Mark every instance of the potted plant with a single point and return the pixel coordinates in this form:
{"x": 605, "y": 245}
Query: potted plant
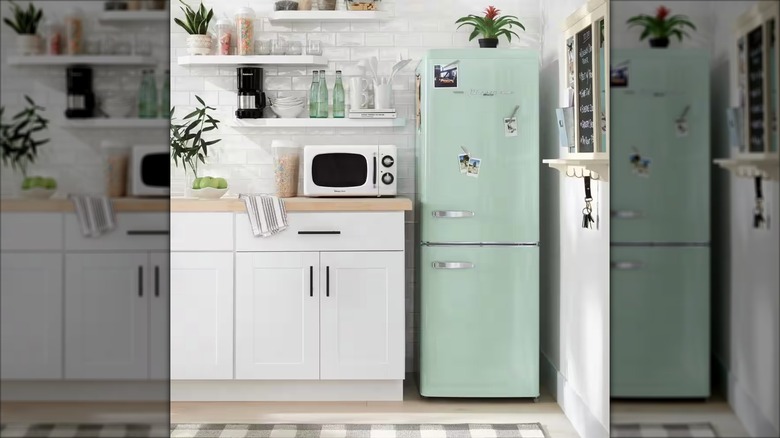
{"x": 197, "y": 26}
{"x": 661, "y": 26}
{"x": 20, "y": 148}
{"x": 189, "y": 147}
{"x": 491, "y": 26}
{"x": 25, "y": 24}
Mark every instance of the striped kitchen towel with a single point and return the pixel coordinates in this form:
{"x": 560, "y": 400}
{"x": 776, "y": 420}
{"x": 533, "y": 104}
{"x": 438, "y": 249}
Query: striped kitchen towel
{"x": 267, "y": 214}
{"x": 95, "y": 214}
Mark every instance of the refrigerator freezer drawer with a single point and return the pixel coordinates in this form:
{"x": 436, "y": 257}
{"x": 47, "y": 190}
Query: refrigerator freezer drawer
{"x": 660, "y": 323}
{"x": 479, "y": 322}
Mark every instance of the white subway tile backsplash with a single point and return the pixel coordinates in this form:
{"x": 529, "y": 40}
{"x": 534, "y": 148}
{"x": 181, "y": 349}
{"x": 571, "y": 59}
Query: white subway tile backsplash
{"x": 344, "y": 39}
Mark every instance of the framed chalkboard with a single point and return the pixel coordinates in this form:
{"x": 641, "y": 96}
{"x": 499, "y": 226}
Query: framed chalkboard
{"x": 585, "y": 114}
{"x": 755, "y": 90}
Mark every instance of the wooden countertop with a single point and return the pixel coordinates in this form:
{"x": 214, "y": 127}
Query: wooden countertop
{"x": 121, "y": 205}
{"x": 295, "y": 204}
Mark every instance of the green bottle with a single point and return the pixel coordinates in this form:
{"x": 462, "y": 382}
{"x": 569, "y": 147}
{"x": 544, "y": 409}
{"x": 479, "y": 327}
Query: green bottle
{"x": 142, "y": 108}
{"x": 314, "y": 95}
{"x": 165, "y": 99}
{"x": 151, "y": 96}
{"x": 322, "y": 100}
{"x": 338, "y": 97}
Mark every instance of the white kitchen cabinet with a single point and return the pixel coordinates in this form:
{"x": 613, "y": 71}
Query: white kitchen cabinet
{"x": 201, "y": 317}
{"x": 159, "y": 315}
{"x": 277, "y": 316}
{"x": 31, "y": 316}
{"x": 362, "y": 332}
{"x": 106, "y": 316}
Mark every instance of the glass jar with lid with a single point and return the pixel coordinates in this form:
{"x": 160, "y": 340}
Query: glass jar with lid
{"x": 224, "y": 36}
{"x": 245, "y": 23}
{"x": 52, "y": 34}
{"x": 74, "y": 31}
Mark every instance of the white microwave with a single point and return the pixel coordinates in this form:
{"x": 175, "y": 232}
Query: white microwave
{"x": 149, "y": 171}
{"x": 350, "y": 170}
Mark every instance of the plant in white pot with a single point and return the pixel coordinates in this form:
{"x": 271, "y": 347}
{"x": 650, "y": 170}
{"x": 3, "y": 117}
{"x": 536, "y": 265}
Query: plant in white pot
{"x": 20, "y": 147}
{"x": 197, "y": 26}
{"x": 189, "y": 147}
{"x": 25, "y": 24}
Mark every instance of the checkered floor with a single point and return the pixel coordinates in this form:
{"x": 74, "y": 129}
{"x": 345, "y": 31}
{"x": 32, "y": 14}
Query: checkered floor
{"x": 698, "y": 430}
{"x": 530, "y": 430}
{"x": 84, "y": 431}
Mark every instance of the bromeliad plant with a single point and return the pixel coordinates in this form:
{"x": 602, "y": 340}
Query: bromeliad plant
{"x": 189, "y": 147}
{"x": 661, "y": 26}
{"x": 17, "y": 136}
{"x": 25, "y": 21}
{"x": 491, "y": 26}
{"x": 197, "y": 22}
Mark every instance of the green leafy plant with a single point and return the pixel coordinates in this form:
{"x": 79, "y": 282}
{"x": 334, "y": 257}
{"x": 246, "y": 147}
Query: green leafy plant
{"x": 25, "y": 21}
{"x": 662, "y": 25}
{"x": 197, "y": 21}
{"x": 491, "y": 26}
{"x": 187, "y": 143}
{"x": 19, "y": 147}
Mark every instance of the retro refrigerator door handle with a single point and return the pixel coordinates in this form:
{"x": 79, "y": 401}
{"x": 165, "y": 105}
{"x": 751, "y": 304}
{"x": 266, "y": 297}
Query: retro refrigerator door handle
{"x": 452, "y": 214}
{"x": 626, "y": 266}
{"x": 626, "y": 214}
{"x": 453, "y": 265}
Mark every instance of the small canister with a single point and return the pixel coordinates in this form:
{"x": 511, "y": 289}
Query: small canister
{"x": 286, "y": 164}
{"x": 245, "y": 23}
{"x": 224, "y": 36}
{"x": 52, "y": 33}
{"x": 74, "y": 30}
{"x": 117, "y": 158}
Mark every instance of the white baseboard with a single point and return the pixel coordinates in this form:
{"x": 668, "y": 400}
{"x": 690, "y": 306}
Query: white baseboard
{"x": 576, "y": 410}
{"x": 748, "y": 411}
{"x": 84, "y": 390}
{"x": 287, "y": 390}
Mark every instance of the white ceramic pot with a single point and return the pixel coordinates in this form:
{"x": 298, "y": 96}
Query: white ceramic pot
{"x": 199, "y": 44}
{"x": 28, "y": 44}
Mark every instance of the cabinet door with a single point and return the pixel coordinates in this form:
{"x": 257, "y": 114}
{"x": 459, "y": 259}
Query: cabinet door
{"x": 277, "y": 316}
{"x": 106, "y": 316}
{"x": 201, "y": 325}
{"x": 31, "y": 316}
{"x": 159, "y": 316}
{"x": 362, "y": 315}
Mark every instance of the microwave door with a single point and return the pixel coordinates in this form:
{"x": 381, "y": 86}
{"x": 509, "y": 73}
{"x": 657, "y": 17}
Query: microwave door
{"x": 344, "y": 173}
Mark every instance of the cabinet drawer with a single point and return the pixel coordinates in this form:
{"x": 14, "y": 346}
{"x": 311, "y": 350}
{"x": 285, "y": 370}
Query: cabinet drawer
{"x": 328, "y": 232}
{"x": 31, "y": 231}
{"x": 133, "y": 232}
{"x": 202, "y": 232}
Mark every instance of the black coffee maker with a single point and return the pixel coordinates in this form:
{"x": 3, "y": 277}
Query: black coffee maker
{"x": 251, "y": 98}
{"x": 81, "y": 99}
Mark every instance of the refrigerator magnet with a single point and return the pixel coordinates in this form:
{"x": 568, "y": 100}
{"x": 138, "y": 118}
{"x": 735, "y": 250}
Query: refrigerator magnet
{"x": 473, "y": 167}
{"x": 463, "y": 163}
{"x": 445, "y": 76}
{"x": 510, "y": 127}
{"x": 641, "y": 165}
{"x": 681, "y": 128}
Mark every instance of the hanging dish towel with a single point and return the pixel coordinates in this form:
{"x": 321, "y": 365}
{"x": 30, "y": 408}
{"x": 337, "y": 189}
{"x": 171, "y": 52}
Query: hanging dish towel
{"x": 94, "y": 213}
{"x": 266, "y": 214}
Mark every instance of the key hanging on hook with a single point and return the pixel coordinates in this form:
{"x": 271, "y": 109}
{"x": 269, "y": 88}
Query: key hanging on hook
{"x": 587, "y": 212}
{"x": 758, "y": 211}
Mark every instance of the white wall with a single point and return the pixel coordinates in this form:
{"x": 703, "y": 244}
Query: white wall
{"x": 577, "y": 305}
{"x": 72, "y": 155}
{"x": 244, "y": 155}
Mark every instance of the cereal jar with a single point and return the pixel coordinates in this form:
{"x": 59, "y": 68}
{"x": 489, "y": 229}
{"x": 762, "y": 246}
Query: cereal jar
{"x": 245, "y": 21}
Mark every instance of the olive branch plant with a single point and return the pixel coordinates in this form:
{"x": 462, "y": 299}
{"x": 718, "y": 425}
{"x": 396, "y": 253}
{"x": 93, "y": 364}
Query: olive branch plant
{"x": 19, "y": 147}
{"x": 187, "y": 142}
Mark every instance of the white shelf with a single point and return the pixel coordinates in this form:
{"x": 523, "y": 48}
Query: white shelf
{"x": 108, "y": 123}
{"x": 65, "y": 60}
{"x": 763, "y": 165}
{"x": 117, "y": 17}
{"x": 227, "y": 60}
{"x": 297, "y": 16}
{"x": 596, "y": 168}
{"x": 317, "y": 123}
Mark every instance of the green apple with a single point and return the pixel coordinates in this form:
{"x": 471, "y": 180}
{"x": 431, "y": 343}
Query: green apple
{"x": 196, "y": 183}
{"x": 214, "y": 184}
{"x": 50, "y": 183}
{"x": 37, "y": 181}
{"x": 222, "y": 183}
{"x": 27, "y": 183}
{"x": 205, "y": 182}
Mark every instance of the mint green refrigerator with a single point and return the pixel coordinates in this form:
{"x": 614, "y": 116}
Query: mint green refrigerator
{"x": 660, "y": 229}
{"x": 477, "y": 157}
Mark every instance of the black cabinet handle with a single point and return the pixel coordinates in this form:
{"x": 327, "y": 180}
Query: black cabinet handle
{"x": 148, "y": 232}
{"x": 140, "y": 281}
{"x": 327, "y": 281}
{"x": 311, "y": 281}
{"x": 318, "y": 232}
{"x": 157, "y": 281}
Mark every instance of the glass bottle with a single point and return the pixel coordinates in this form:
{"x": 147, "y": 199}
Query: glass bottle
{"x": 314, "y": 95}
{"x": 338, "y": 97}
{"x": 165, "y": 98}
{"x": 322, "y": 100}
{"x": 142, "y": 107}
{"x": 151, "y": 99}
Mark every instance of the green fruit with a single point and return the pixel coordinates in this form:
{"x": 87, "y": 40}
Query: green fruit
{"x": 51, "y": 183}
{"x": 205, "y": 182}
{"x": 196, "y": 183}
{"x": 37, "y": 181}
{"x": 27, "y": 183}
{"x": 222, "y": 183}
{"x": 214, "y": 183}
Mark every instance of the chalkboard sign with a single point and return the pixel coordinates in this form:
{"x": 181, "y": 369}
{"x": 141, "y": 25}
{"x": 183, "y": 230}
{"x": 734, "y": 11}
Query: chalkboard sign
{"x": 585, "y": 89}
{"x": 755, "y": 90}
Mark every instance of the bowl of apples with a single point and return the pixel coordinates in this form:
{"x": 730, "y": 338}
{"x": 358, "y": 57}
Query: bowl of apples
{"x": 209, "y": 187}
{"x": 38, "y": 187}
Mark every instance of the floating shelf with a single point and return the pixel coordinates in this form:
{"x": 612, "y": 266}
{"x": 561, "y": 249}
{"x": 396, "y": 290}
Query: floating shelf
{"x": 65, "y": 60}
{"x": 117, "y": 17}
{"x": 767, "y": 167}
{"x": 117, "y": 123}
{"x": 317, "y": 123}
{"x": 597, "y": 168}
{"x": 291, "y": 16}
{"x": 228, "y": 60}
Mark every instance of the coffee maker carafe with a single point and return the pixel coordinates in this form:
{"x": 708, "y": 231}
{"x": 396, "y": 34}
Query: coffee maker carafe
{"x": 81, "y": 99}
{"x": 251, "y": 98}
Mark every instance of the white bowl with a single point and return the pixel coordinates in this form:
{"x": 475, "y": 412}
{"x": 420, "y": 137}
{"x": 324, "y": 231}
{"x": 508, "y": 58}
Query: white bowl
{"x": 208, "y": 193}
{"x": 38, "y": 193}
{"x": 287, "y": 113}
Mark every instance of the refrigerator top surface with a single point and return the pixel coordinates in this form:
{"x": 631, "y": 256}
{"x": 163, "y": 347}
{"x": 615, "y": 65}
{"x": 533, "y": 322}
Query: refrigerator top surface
{"x": 477, "y": 53}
